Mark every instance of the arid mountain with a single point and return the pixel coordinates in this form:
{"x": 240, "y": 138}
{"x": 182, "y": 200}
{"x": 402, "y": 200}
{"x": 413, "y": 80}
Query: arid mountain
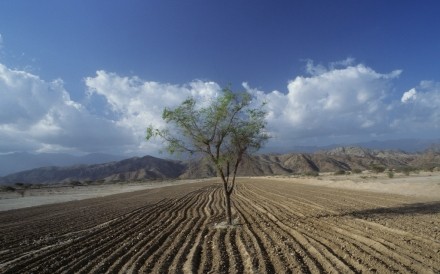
{"x": 21, "y": 161}
{"x": 16, "y": 162}
{"x": 147, "y": 168}
{"x": 341, "y": 158}
{"x": 130, "y": 169}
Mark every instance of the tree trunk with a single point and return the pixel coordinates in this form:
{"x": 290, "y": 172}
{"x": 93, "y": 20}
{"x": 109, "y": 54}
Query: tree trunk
{"x": 228, "y": 207}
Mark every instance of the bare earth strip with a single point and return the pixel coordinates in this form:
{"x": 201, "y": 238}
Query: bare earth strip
{"x": 64, "y": 193}
{"x": 282, "y": 226}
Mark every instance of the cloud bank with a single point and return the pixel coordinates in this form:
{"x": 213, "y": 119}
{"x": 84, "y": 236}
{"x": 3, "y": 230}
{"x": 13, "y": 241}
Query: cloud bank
{"x": 36, "y": 115}
{"x": 339, "y": 103}
{"x": 136, "y": 104}
{"x": 331, "y": 104}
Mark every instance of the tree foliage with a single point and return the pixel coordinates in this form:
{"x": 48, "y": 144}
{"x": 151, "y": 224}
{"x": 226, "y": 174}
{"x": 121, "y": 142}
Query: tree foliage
{"x": 225, "y": 130}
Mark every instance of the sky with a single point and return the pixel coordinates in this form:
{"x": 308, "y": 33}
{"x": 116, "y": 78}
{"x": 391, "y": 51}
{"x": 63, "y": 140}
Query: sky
{"x": 90, "y": 76}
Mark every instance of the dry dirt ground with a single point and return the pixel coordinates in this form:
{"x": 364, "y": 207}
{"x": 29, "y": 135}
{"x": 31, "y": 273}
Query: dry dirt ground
{"x": 282, "y": 225}
{"x": 63, "y": 193}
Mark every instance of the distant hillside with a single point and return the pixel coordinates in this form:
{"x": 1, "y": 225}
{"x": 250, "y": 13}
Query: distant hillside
{"x": 341, "y": 158}
{"x": 15, "y": 162}
{"x": 130, "y": 169}
{"x": 406, "y": 145}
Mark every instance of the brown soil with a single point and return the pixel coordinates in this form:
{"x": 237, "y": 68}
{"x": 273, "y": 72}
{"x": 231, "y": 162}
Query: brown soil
{"x": 281, "y": 227}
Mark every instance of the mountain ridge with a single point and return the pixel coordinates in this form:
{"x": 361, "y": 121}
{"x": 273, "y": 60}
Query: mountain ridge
{"x": 146, "y": 167}
{"x": 151, "y": 168}
{"x": 21, "y": 161}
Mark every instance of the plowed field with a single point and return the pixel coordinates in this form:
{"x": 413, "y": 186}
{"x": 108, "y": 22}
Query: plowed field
{"x": 280, "y": 227}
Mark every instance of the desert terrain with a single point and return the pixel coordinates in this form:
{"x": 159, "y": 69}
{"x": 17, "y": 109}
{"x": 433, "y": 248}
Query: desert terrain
{"x": 334, "y": 224}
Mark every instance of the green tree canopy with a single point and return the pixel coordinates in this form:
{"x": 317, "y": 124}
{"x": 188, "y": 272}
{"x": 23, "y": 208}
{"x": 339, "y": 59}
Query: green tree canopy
{"x": 224, "y": 129}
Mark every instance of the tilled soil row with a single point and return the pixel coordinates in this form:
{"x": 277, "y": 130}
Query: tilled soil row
{"x": 280, "y": 227}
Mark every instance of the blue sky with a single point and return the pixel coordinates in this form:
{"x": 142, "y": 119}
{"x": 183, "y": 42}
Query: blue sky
{"x": 89, "y": 76}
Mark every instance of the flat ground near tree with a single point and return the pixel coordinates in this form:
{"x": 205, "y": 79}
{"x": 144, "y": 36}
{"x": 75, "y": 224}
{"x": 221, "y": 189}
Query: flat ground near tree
{"x": 280, "y": 227}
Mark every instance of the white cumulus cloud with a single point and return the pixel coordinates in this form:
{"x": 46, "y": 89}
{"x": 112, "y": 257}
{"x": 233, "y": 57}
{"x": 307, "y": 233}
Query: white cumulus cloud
{"x": 341, "y": 102}
{"x": 36, "y": 115}
{"x": 331, "y": 102}
{"x": 137, "y": 103}
{"x": 419, "y": 112}
{"x": 409, "y": 95}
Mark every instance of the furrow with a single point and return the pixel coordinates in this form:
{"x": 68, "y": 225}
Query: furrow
{"x": 193, "y": 258}
{"x": 69, "y": 240}
{"x": 235, "y": 261}
{"x": 336, "y": 199}
{"x": 273, "y": 260}
{"x": 393, "y": 242}
{"x": 122, "y": 237}
{"x": 279, "y": 227}
{"x": 220, "y": 257}
{"x": 408, "y": 244}
{"x": 398, "y": 256}
{"x": 206, "y": 253}
{"x": 101, "y": 263}
{"x": 144, "y": 249}
{"x": 188, "y": 250}
{"x": 165, "y": 238}
{"x": 174, "y": 255}
{"x": 299, "y": 235}
{"x": 324, "y": 251}
{"x": 161, "y": 257}
{"x": 245, "y": 250}
{"x": 298, "y": 254}
{"x": 303, "y": 207}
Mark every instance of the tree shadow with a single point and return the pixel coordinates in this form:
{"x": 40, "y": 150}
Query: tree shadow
{"x": 407, "y": 209}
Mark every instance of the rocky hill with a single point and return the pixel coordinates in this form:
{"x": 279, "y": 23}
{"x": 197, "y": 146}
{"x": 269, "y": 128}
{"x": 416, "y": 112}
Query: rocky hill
{"x": 130, "y": 169}
{"x": 341, "y": 158}
{"x": 16, "y": 162}
{"x": 147, "y": 168}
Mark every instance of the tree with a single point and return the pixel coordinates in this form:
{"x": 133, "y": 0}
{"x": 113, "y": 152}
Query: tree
{"x": 225, "y": 131}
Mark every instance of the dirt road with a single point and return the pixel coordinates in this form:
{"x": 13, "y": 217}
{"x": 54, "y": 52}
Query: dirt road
{"x": 281, "y": 227}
